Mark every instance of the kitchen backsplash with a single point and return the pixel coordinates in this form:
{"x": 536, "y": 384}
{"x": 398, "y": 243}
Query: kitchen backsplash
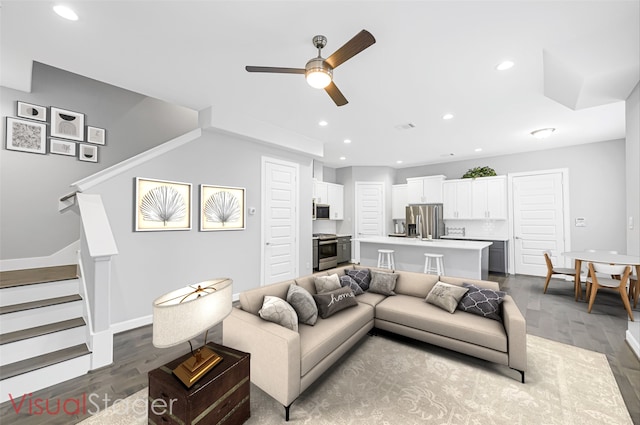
{"x": 481, "y": 228}
{"x": 324, "y": 226}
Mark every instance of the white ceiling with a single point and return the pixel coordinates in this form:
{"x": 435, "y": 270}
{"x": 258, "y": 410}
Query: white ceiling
{"x": 575, "y": 63}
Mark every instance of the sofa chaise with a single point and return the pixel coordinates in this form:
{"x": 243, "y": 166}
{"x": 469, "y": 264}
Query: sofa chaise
{"x": 285, "y": 362}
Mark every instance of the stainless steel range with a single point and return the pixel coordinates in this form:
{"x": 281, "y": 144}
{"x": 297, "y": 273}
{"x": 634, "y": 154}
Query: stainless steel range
{"x": 327, "y": 250}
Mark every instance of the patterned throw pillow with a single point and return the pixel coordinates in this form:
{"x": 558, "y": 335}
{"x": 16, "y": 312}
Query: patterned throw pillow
{"x": 303, "y": 303}
{"x": 334, "y": 301}
{"x": 383, "y": 283}
{"x": 482, "y": 301}
{"x": 348, "y": 281}
{"x": 446, "y": 296}
{"x": 279, "y": 311}
{"x": 326, "y": 283}
{"x": 361, "y": 276}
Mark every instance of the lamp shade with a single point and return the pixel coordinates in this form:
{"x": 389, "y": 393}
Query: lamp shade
{"x": 185, "y": 313}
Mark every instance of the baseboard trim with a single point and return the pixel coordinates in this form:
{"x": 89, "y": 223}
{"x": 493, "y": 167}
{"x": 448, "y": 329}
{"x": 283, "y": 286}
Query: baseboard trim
{"x": 127, "y": 325}
{"x": 633, "y": 343}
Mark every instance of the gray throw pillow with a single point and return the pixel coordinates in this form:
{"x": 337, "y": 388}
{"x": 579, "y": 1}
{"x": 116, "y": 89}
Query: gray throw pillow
{"x": 326, "y": 283}
{"x": 334, "y": 301}
{"x": 279, "y": 311}
{"x": 446, "y": 296}
{"x": 348, "y": 281}
{"x": 361, "y": 276}
{"x": 482, "y": 301}
{"x": 303, "y": 303}
{"x": 383, "y": 283}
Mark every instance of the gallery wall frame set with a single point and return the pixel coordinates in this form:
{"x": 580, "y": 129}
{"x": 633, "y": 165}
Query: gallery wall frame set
{"x": 65, "y": 129}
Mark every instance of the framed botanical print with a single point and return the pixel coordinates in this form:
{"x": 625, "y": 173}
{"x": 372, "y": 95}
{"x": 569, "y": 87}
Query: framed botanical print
{"x": 67, "y": 124}
{"x": 162, "y": 205}
{"x": 26, "y": 136}
{"x": 221, "y": 208}
{"x": 62, "y": 147}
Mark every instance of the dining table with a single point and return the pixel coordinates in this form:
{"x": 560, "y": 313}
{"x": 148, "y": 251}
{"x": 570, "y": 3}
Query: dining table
{"x": 607, "y": 258}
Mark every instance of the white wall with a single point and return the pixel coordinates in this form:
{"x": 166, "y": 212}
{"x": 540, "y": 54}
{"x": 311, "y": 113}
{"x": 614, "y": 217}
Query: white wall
{"x": 31, "y": 184}
{"x": 150, "y": 264}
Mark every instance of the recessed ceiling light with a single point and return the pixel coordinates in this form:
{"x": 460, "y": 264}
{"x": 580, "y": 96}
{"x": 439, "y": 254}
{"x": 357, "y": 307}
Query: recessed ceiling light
{"x": 543, "y": 133}
{"x": 447, "y": 116}
{"x": 66, "y": 12}
{"x": 347, "y": 141}
{"x": 478, "y": 149}
{"x": 399, "y": 161}
{"x": 323, "y": 123}
{"x": 503, "y": 66}
{"x": 342, "y": 158}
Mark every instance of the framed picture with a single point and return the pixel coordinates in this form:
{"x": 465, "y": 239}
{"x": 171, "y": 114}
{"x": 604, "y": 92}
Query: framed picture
{"x": 88, "y": 153}
{"x": 162, "y": 205}
{"x": 96, "y": 135}
{"x": 221, "y": 208}
{"x": 67, "y": 124}
{"x": 33, "y": 112}
{"x": 62, "y": 147}
{"x": 26, "y": 136}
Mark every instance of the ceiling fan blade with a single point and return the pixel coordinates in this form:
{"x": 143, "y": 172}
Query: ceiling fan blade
{"x": 274, "y": 69}
{"x": 361, "y": 41}
{"x": 337, "y": 96}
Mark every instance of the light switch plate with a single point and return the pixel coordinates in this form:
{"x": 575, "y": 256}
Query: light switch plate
{"x": 581, "y": 222}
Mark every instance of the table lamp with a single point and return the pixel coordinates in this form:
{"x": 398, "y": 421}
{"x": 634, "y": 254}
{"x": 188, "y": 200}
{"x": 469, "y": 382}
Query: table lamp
{"x": 185, "y": 313}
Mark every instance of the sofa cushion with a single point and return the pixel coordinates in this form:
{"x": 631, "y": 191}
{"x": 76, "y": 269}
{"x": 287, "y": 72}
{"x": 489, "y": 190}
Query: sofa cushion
{"x": 326, "y": 284}
{"x": 252, "y": 299}
{"x": 279, "y": 311}
{"x": 446, "y": 296}
{"x": 383, "y": 283}
{"x": 332, "y": 302}
{"x": 340, "y": 270}
{"x": 415, "y": 313}
{"x": 482, "y": 301}
{"x": 317, "y": 342}
{"x": 415, "y": 284}
{"x": 303, "y": 303}
{"x": 348, "y": 282}
{"x": 307, "y": 282}
{"x": 361, "y": 276}
{"x": 370, "y": 298}
{"x": 479, "y": 283}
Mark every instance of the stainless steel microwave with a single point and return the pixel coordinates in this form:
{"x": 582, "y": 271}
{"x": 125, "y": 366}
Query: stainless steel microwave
{"x": 321, "y": 212}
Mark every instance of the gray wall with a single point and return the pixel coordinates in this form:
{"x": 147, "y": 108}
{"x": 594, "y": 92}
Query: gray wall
{"x": 596, "y": 186}
{"x": 31, "y": 184}
{"x": 633, "y": 170}
{"x": 150, "y": 264}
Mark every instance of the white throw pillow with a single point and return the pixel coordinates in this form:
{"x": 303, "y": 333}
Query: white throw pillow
{"x": 279, "y": 311}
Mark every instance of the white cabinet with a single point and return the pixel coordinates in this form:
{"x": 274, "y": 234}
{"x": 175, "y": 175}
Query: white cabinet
{"x": 330, "y": 194}
{"x": 457, "y": 199}
{"x": 471, "y": 199}
{"x": 399, "y": 201}
{"x": 425, "y": 190}
{"x": 490, "y": 197}
{"x": 320, "y": 192}
{"x": 335, "y": 196}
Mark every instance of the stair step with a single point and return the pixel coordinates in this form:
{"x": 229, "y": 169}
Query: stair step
{"x": 41, "y": 330}
{"x": 38, "y": 304}
{"x": 12, "y": 278}
{"x": 28, "y": 365}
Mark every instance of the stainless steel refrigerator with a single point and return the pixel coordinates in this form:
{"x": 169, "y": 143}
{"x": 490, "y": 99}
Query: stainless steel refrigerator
{"x": 424, "y": 221}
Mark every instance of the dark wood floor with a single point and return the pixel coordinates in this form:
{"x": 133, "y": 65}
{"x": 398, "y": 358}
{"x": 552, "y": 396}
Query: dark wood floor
{"x": 554, "y": 315}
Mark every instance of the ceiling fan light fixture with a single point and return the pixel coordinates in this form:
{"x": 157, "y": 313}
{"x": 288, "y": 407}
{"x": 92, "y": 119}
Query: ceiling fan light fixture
{"x": 543, "y": 133}
{"x": 318, "y": 73}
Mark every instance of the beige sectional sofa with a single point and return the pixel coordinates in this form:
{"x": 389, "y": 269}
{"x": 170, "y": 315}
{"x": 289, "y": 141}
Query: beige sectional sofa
{"x": 284, "y": 363}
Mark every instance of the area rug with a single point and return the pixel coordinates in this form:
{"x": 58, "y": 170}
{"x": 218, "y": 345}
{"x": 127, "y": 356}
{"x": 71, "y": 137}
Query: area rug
{"x": 393, "y": 381}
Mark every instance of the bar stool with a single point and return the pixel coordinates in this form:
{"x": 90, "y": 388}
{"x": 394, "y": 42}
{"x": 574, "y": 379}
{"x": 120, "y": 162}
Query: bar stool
{"x": 386, "y": 260}
{"x": 434, "y": 263}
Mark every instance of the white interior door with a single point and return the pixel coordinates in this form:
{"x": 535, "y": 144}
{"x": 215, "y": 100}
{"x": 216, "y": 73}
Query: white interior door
{"x": 539, "y": 219}
{"x": 369, "y": 211}
{"x": 280, "y": 220}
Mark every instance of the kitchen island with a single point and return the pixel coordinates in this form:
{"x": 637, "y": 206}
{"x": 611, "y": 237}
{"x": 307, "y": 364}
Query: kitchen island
{"x": 461, "y": 258}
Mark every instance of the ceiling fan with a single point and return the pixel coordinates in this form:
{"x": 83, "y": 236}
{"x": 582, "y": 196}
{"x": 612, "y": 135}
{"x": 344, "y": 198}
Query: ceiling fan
{"x": 319, "y": 71}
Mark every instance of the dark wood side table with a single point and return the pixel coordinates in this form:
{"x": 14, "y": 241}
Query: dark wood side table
{"x": 219, "y": 397}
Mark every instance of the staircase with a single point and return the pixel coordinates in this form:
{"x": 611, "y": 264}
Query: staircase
{"x": 43, "y": 335}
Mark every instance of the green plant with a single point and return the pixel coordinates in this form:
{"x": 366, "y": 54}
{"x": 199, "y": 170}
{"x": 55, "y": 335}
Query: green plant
{"x": 479, "y": 172}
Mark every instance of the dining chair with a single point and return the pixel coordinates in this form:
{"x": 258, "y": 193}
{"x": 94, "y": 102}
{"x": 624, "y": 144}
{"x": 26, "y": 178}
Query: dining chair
{"x": 595, "y": 282}
{"x": 552, "y": 270}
